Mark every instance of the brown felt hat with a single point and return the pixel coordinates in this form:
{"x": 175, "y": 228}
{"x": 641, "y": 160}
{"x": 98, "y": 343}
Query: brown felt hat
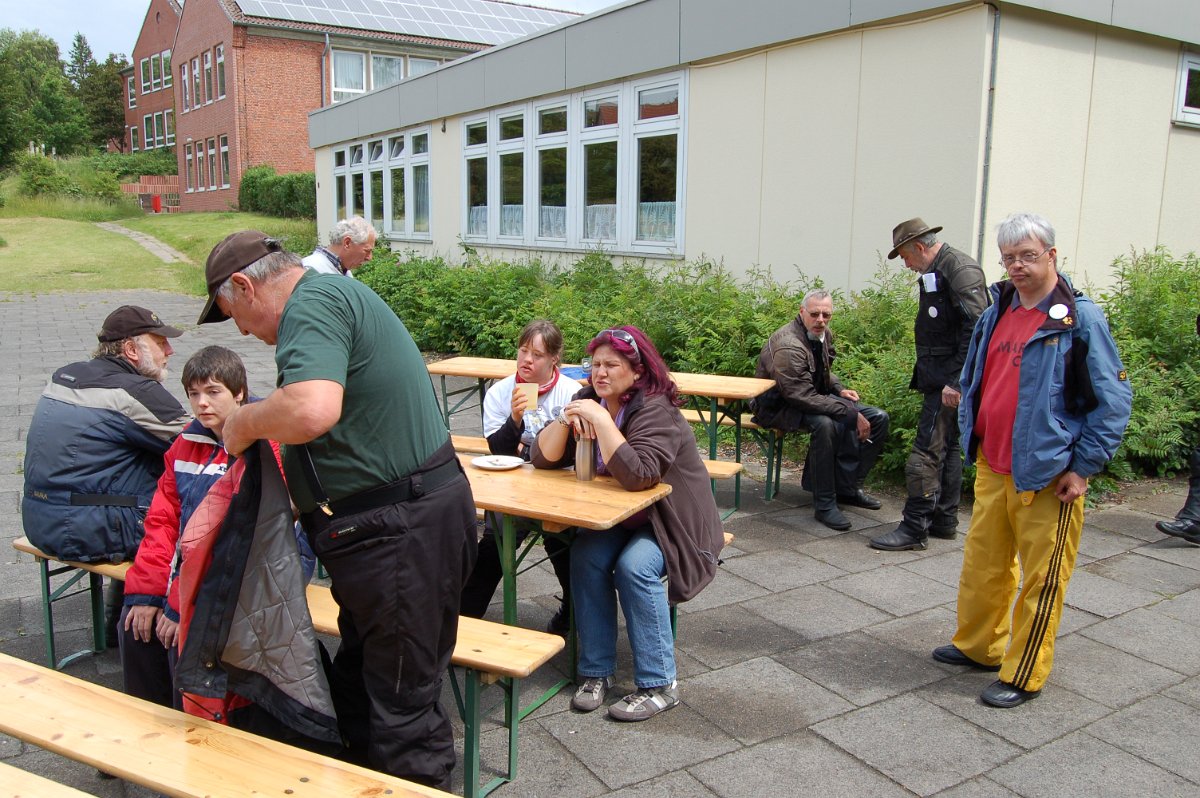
{"x": 907, "y": 231}
{"x": 130, "y": 320}
{"x": 233, "y": 254}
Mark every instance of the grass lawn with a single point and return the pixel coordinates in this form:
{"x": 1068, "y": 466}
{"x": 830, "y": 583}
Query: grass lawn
{"x": 61, "y": 255}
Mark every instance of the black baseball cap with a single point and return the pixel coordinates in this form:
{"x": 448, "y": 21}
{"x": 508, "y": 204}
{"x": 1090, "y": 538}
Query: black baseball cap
{"x": 130, "y": 320}
{"x": 234, "y": 253}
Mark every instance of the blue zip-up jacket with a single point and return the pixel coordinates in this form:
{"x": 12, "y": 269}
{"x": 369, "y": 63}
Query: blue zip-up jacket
{"x": 1073, "y": 398}
{"x": 93, "y": 456}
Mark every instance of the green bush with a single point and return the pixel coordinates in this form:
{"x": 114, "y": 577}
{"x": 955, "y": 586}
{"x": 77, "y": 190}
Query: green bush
{"x": 703, "y": 320}
{"x": 1152, "y": 311}
{"x": 292, "y": 195}
{"x": 129, "y": 166}
{"x": 41, "y": 175}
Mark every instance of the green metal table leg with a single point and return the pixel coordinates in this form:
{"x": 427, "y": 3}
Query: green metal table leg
{"x": 99, "y": 633}
{"x": 47, "y": 612}
{"x": 471, "y": 731}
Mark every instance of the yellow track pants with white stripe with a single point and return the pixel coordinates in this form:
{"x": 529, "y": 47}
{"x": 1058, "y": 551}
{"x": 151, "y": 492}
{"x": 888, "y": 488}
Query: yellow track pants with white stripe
{"x": 1013, "y": 533}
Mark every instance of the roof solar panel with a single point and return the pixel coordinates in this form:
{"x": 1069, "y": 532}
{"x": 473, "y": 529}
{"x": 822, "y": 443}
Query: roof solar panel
{"x": 481, "y": 21}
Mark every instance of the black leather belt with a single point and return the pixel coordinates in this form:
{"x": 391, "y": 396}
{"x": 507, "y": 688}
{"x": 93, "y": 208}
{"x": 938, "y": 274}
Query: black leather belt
{"x": 410, "y": 487}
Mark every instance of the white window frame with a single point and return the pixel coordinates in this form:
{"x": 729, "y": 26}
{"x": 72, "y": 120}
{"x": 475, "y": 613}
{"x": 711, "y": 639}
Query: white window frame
{"x": 169, "y": 125}
{"x": 156, "y": 72}
{"x": 133, "y": 138}
{"x": 334, "y": 88}
{"x": 390, "y": 56}
{"x": 168, "y": 77}
{"x": 148, "y": 132}
{"x": 144, "y": 73}
{"x": 224, "y": 160}
{"x": 219, "y": 70}
{"x": 1186, "y": 115}
{"x": 408, "y": 160}
{"x": 196, "y": 82}
{"x": 131, "y": 91}
{"x": 191, "y": 173}
{"x": 475, "y": 152}
{"x": 627, "y": 133}
{"x": 185, "y": 83}
{"x": 208, "y": 77}
{"x": 200, "y": 165}
{"x": 425, "y": 64}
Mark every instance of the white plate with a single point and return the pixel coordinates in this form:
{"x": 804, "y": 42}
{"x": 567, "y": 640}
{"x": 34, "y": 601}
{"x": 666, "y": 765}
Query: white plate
{"x": 497, "y": 462}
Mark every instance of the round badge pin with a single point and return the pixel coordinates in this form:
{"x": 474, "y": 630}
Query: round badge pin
{"x": 1058, "y": 311}
{"x": 933, "y": 313}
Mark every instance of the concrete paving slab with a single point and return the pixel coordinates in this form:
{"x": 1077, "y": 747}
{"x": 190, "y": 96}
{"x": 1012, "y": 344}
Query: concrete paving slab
{"x": 1184, "y": 607}
{"x": 1151, "y": 636}
{"x": 782, "y": 570}
{"x": 801, "y": 763}
{"x": 674, "y": 785}
{"x": 1125, "y": 521}
{"x": 1172, "y": 550}
{"x": 1081, "y": 765}
{"x": 816, "y": 611}
{"x": 850, "y": 553}
{"x": 1186, "y": 691}
{"x": 1146, "y": 573}
{"x": 1152, "y": 729}
{"x": 620, "y": 754}
{"x": 1107, "y": 598}
{"x": 918, "y": 634}
{"x": 760, "y": 699}
{"x": 722, "y": 636}
{"x": 1097, "y": 543}
{"x": 724, "y": 589}
{"x": 951, "y": 750}
{"x": 1055, "y": 713}
{"x": 981, "y": 787}
{"x": 1105, "y": 674}
{"x": 895, "y": 590}
{"x": 860, "y": 668}
{"x": 945, "y": 567}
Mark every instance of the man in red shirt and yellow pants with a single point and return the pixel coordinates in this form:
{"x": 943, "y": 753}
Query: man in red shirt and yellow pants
{"x": 1045, "y": 402}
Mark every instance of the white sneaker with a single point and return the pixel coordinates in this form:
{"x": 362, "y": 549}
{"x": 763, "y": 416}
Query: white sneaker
{"x": 645, "y": 703}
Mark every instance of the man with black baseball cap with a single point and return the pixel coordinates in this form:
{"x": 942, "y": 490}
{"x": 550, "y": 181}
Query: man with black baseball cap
{"x": 383, "y": 500}
{"x": 94, "y": 450}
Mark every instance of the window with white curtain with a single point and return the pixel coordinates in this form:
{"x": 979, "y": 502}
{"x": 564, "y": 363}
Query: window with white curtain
{"x": 601, "y": 167}
{"x": 419, "y": 66}
{"x": 349, "y": 75}
{"x": 386, "y": 70}
{"x": 390, "y": 185}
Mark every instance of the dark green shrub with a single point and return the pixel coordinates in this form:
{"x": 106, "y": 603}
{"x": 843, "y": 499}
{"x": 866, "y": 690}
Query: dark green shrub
{"x": 292, "y": 195}
{"x": 1152, "y": 313}
{"x": 40, "y": 175}
{"x": 129, "y": 166}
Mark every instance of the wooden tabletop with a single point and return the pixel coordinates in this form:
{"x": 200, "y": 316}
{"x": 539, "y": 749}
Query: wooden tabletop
{"x": 166, "y": 750}
{"x": 714, "y": 385}
{"x": 556, "y": 496}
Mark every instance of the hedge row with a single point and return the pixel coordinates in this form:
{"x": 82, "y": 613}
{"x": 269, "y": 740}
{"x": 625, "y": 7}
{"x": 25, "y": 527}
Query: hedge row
{"x": 703, "y": 320}
{"x": 292, "y": 195}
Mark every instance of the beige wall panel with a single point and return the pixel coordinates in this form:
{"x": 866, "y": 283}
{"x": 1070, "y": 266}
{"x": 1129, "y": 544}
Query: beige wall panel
{"x": 808, "y": 164}
{"x": 1043, "y": 91}
{"x": 920, "y": 134}
{"x": 446, "y": 186}
{"x": 725, "y": 161}
{"x": 1178, "y": 228}
{"x": 323, "y": 172}
{"x": 1133, "y": 90}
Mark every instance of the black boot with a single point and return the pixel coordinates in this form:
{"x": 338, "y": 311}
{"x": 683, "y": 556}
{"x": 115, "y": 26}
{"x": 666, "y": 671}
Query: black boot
{"x": 1187, "y": 521}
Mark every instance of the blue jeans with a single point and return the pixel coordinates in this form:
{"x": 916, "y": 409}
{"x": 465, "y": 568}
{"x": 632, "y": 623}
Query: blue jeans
{"x": 616, "y": 563}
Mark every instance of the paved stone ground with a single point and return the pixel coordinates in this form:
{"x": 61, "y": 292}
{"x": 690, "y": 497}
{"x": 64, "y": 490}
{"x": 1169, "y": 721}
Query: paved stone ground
{"x": 149, "y": 243}
{"x": 804, "y": 667}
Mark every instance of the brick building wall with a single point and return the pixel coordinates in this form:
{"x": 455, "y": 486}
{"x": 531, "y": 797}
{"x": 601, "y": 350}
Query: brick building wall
{"x": 280, "y": 83}
{"x": 156, "y": 36}
{"x": 206, "y": 31}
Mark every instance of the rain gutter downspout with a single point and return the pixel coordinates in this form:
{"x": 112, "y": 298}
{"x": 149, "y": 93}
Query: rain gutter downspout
{"x": 987, "y": 133}
{"x": 324, "y": 60}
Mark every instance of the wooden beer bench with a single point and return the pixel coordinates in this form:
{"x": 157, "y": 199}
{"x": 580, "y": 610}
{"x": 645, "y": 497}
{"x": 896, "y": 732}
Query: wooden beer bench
{"x": 490, "y": 653}
{"x": 166, "y": 750}
{"x": 23, "y": 784}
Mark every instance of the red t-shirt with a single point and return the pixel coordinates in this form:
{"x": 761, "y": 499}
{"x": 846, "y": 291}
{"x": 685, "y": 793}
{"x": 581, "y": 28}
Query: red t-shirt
{"x": 1001, "y": 379}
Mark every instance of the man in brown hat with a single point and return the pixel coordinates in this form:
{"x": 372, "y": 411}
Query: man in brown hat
{"x": 953, "y": 295}
{"x": 94, "y": 450}
{"x": 383, "y": 500}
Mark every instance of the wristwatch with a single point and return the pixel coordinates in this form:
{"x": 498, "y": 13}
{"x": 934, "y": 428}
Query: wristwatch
{"x": 561, "y": 418}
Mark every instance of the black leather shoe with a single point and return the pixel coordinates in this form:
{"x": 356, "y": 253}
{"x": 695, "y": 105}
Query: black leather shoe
{"x": 950, "y": 655}
{"x": 833, "y": 519}
{"x": 1006, "y": 696}
{"x": 860, "y": 499}
{"x": 1187, "y": 530}
{"x": 559, "y": 624}
{"x": 899, "y": 539}
{"x": 944, "y": 533}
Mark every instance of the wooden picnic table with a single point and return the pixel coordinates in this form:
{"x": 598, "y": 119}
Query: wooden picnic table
{"x": 727, "y": 396}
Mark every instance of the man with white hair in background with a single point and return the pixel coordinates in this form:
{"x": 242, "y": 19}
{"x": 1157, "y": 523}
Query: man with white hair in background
{"x": 94, "y": 449}
{"x": 351, "y": 244}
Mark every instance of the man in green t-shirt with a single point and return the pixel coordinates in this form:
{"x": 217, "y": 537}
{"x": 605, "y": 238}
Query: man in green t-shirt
{"x": 382, "y": 497}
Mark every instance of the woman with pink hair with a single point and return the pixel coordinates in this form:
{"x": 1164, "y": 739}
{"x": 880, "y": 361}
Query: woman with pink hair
{"x": 631, "y": 413}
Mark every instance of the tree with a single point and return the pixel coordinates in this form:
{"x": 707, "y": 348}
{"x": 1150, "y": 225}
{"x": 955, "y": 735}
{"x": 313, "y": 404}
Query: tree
{"x": 80, "y": 63}
{"x": 34, "y": 88}
{"x": 103, "y": 96}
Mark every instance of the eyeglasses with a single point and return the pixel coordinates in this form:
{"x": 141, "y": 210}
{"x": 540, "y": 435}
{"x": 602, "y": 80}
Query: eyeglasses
{"x": 1026, "y": 258}
{"x": 624, "y": 338}
{"x": 819, "y": 314}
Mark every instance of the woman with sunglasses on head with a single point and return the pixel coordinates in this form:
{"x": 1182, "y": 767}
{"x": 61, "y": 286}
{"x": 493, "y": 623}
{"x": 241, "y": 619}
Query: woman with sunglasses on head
{"x": 630, "y": 411}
